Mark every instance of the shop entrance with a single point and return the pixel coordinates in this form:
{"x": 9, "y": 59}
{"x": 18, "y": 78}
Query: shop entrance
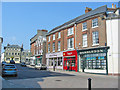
{"x": 69, "y": 63}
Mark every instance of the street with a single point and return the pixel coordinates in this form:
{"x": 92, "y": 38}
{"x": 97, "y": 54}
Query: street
{"x": 31, "y": 78}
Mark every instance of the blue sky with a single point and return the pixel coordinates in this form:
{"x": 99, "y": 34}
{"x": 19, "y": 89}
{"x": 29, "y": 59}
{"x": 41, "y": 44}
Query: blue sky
{"x": 20, "y": 20}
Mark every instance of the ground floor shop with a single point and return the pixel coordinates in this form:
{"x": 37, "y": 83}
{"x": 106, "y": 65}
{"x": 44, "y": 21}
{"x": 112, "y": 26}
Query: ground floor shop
{"x": 38, "y": 59}
{"x": 93, "y": 60}
{"x": 70, "y": 60}
{"x": 54, "y": 60}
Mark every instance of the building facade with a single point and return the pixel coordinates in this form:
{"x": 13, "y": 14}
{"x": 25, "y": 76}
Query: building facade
{"x": 38, "y": 47}
{"x": 1, "y": 41}
{"x": 112, "y": 29}
{"x": 25, "y": 56}
{"x": 83, "y": 41}
{"x": 13, "y": 52}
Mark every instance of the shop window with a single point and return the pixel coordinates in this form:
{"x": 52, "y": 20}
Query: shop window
{"x": 50, "y": 62}
{"x": 98, "y": 62}
{"x": 59, "y": 61}
{"x": 85, "y": 40}
{"x": 95, "y": 37}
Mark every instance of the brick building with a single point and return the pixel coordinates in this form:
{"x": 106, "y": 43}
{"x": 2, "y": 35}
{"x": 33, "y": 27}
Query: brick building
{"x": 38, "y": 47}
{"x": 81, "y": 43}
{"x": 1, "y": 41}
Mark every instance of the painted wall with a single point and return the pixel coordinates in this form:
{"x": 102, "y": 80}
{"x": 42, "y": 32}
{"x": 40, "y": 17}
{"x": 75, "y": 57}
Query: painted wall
{"x": 112, "y": 41}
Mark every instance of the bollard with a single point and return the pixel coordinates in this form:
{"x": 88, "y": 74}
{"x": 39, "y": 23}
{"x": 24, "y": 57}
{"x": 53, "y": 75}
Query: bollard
{"x": 89, "y": 83}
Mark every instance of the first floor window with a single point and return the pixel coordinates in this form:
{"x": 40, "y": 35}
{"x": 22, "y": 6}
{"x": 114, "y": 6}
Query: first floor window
{"x": 95, "y": 22}
{"x": 58, "y": 45}
{"x": 70, "y": 31}
{"x": 48, "y": 47}
{"x": 53, "y": 47}
{"x": 85, "y": 40}
{"x": 84, "y": 26}
{"x": 71, "y": 43}
{"x": 95, "y": 37}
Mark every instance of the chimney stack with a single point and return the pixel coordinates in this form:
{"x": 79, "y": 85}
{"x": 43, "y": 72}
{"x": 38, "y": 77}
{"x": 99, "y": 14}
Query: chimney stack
{"x": 112, "y": 5}
{"x": 87, "y": 9}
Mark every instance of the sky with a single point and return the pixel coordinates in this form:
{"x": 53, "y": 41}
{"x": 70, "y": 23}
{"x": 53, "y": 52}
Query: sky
{"x": 21, "y": 20}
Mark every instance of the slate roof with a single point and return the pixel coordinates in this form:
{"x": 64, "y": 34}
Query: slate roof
{"x": 12, "y": 46}
{"x": 98, "y": 10}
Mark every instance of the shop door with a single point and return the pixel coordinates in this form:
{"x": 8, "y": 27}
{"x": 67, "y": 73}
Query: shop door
{"x": 71, "y": 64}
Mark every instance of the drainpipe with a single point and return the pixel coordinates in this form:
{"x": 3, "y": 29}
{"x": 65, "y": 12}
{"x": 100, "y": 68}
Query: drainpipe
{"x": 75, "y": 33}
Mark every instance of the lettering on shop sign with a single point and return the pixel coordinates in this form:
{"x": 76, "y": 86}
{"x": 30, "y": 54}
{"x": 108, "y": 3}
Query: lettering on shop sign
{"x": 92, "y": 51}
{"x": 53, "y": 55}
{"x": 69, "y": 53}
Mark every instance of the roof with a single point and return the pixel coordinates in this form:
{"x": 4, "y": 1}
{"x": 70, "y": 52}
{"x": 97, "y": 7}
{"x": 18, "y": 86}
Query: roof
{"x": 12, "y": 46}
{"x": 98, "y": 10}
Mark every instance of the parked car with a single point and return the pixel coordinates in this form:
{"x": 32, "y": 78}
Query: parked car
{"x": 12, "y": 62}
{"x": 23, "y": 64}
{"x": 41, "y": 67}
{"x": 9, "y": 69}
{"x": 3, "y": 63}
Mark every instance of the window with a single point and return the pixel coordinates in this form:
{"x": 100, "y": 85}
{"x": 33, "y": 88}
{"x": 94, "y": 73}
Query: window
{"x": 54, "y": 37}
{"x": 18, "y": 53}
{"x": 48, "y": 47}
{"x": 59, "y": 35}
{"x": 49, "y": 39}
{"x": 53, "y": 47}
{"x": 60, "y": 61}
{"x": 9, "y": 53}
{"x": 84, "y": 26}
{"x": 85, "y": 40}
{"x": 58, "y": 45}
{"x": 6, "y": 53}
{"x": 15, "y": 53}
{"x": 16, "y": 59}
{"x": 71, "y": 43}
{"x": 70, "y": 31}
{"x": 95, "y": 37}
{"x": 12, "y": 53}
{"x": 94, "y": 22}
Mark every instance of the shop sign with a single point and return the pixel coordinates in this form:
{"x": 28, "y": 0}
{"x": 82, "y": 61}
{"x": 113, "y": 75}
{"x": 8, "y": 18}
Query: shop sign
{"x": 92, "y": 51}
{"x": 51, "y": 55}
{"x": 69, "y": 53}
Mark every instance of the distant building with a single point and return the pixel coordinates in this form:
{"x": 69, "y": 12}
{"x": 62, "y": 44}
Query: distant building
{"x": 38, "y": 47}
{"x": 13, "y": 52}
{"x": 25, "y": 56}
{"x": 1, "y": 40}
{"x": 2, "y": 57}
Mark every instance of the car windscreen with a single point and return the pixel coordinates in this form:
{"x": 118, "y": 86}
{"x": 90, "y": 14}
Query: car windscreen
{"x": 9, "y": 66}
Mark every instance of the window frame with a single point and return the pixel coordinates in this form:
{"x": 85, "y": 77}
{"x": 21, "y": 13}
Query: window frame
{"x": 70, "y": 31}
{"x": 84, "y": 40}
{"x": 59, "y": 35}
{"x": 53, "y": 36}
{"x": 95, "y": 21}
{"x": 84, "y": 29}
{"x": 59, "y": 44}
{"x": 95, "y": 38}
{"x": 70, "y": 43}
{"x": 53, "y": 46}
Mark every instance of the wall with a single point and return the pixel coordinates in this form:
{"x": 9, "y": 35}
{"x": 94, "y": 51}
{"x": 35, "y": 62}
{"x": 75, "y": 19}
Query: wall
{"x": 112, "y": 41}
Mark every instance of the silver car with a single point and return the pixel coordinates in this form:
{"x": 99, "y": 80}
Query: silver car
{"x": 9, "y": 69}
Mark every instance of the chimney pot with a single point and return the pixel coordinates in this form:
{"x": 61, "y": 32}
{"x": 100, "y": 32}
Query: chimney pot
{"x": 87, "y": 9}
{"x": 112, "y": 5}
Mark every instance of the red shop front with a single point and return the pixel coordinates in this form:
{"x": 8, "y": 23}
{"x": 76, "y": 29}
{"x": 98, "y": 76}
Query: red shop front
{"x": 70, "y": 60}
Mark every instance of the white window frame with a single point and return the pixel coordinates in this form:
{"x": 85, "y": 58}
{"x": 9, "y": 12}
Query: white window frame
{"x": 84, "y": 26}
{"x": 49, "y": 39}
{"x": 59, "y": 45}
{"x": 53, "y": 36}
{"x": 48, "y": 47}
{"x": 95, "y": 23}
{"x": 54, "y": 47}
{"x": 69, "y": 43}
{"x": 84, "y": 40}
{"x": 70, "y": 31}
{"x": 95, "y": 38}
{"x": 59, "y": 34}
